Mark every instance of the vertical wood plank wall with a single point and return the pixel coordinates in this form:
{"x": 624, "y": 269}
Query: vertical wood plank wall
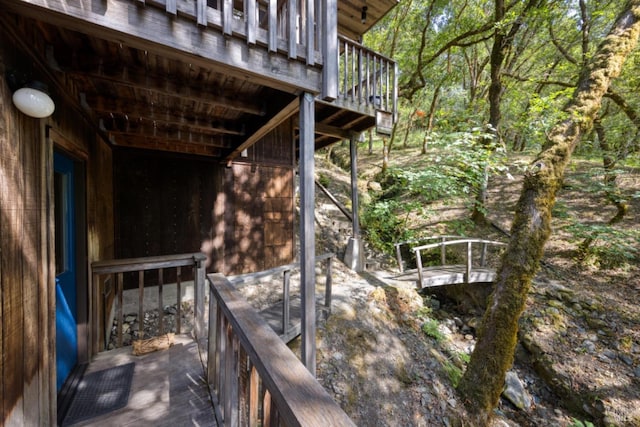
{"x": 27, "y": 258}
{"x": 25, "y": 265}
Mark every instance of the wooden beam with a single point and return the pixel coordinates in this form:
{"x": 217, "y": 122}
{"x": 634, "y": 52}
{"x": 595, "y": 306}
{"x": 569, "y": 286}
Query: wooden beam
{"x": 136, "y": 141}
{"x": 139, "y": 79}
{"x": 158, "y": 116}
{"x": 307, "y": 231}
{"x": 276, "y": 120}
{"x": 144, "y": 130}
{"x": 150, "y": 28}
{"x": 333, "y": 131}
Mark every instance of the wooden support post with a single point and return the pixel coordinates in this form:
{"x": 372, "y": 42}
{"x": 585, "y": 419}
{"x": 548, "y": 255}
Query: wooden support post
{"x": 354, "y": 254}
{"x": 399, "y": 258}
{"x": 443, "y": 252}
{"x": 178, "y": 299}
{"x": 307, "y": 231}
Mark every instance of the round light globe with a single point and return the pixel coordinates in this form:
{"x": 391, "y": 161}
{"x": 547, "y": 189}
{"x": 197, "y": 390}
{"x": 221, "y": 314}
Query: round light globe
{"x": 33, "y": 102}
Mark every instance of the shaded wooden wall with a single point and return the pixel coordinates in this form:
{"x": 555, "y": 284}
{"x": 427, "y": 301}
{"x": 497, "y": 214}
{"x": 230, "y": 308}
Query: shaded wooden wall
{"x": 27, "y": 259}
{"x": 254, "y": 217}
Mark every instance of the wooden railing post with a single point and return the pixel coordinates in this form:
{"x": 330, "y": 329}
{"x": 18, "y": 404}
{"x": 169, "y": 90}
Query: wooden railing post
{"x": 199, "y": 279}
{"x": 443, "y": 251}
{"x": 399, "y": 258}
{"x": 211, "y": 340}
{"x": 419, "y": 266}
{"x": 328, "y": 285}
{"x": 286, "y": 309}
{"x": 469, "y": 261}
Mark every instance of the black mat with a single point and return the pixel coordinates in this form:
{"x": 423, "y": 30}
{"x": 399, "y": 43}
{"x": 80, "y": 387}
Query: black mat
{"x": 100, "y": 393}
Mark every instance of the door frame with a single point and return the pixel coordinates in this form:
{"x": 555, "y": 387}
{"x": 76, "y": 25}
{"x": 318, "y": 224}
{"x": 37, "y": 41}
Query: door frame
{"x": 64, "y": 146}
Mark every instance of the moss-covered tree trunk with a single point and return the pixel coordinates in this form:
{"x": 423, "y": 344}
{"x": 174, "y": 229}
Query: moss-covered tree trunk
{"x": 483, "y": 381}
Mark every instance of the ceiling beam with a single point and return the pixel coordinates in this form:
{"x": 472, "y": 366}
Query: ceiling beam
{"x": 136, "y": 111}
{"x": 128, "y": 77}
{"x": 288, "y": 111}
{"x": 118, "y": 127}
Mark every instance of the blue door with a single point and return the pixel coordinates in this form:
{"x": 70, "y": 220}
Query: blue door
{"x": 66, "y": 307}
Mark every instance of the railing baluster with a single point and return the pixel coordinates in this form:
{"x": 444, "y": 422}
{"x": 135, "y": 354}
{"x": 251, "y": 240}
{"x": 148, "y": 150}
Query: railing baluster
{"x": 266, "y": 409}
{"x": 254, "y": 388}
{"x": 140, "y": 304}
{"x": 119, "y": 291}
{"x": 201, "y": 12}
{"x": 273, "y": 26}
{"x": 250, "y": 20}
{"x": 212, "y": 356}
{"x": 160, "y": 302}
{"x": 293, "y": 28}
{"x": 483, "y": 255}
{"x": 443, "y": 252}
{"x": 419, "y": 266}
{"x": 469, "y": 261}
{"x": 227, "y": 16}
{"x": 171, "y": 7}
{"x": 286, "y": 309}
{"x": 328, "y": 285}
{"x": 310, "y": 27}
{"x": 179, "y": 298}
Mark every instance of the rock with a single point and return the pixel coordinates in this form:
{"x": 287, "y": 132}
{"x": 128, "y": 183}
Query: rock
{"x": 626, "y": 359}
{"x": 130, "y": 318}
{"x": 589, "y": 346}
{"x": 515, "y": 392}
{"x": 636, "y": 371}
{"x": 374, "y": 186}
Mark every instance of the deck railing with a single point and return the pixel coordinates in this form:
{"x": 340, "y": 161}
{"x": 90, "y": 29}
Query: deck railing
{"x": 367, "y": 78}
{"x": 255, "y": 378}
{"x": 108, "y": 293}
{"x": 286, "y": 271}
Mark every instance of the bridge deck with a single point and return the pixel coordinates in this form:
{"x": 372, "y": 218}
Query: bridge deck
{"x": 447, "y": 275}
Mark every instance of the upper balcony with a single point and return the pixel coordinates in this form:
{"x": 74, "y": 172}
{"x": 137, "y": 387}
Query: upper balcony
{"x": 208, "y": 77}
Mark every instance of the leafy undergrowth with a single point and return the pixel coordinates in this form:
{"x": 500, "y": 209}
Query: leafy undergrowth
{"x": 580, "y": 352}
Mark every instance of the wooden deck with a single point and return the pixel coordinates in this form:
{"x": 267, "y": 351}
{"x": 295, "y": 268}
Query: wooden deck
{"x": 168, "y": 388}
{"x": 447, "y": 275}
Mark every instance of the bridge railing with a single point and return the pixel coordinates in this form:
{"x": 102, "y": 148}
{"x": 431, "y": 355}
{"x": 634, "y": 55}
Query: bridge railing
{"x": 441, "y": 238}
{"x": 255, "y": 378}
{"x": 469, "y": 243}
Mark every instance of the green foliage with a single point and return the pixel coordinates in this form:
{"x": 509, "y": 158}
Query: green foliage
{"x": 453, "y": 372}
{"x": 430, "y": 328}
{"x": 611, "y": 248}
{"x": 578, "y": 423}
{"x": 455, "y": 169}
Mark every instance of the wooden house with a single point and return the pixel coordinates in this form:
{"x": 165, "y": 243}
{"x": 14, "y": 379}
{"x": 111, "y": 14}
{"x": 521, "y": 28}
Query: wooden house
{"x": 179, "y": 126}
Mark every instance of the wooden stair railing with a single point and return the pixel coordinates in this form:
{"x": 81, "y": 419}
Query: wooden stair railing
{"x": 254, "y": 377}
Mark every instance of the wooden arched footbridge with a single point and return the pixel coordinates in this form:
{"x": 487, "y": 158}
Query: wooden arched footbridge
{"x": 474, "y": 270}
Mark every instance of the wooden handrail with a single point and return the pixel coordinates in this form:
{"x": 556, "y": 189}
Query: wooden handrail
{"x": 286, "y": 270}
{"x": 469, "y": 254}
{"x": 277, "y": 388}
{"x": 115, "y": 270}
{"x": 443, "y": 238}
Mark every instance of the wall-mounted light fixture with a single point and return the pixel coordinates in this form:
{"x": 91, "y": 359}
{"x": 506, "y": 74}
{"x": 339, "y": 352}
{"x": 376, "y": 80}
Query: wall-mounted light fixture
{"x": 30, "y": 98}
{"x": 363, "y": 16}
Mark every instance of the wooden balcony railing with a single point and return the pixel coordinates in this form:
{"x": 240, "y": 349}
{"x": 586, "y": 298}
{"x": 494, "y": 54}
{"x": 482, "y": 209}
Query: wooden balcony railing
{"x": 255, "y": 377}
{"x": 108, "y": 290}
{"x": 367, "y": 78}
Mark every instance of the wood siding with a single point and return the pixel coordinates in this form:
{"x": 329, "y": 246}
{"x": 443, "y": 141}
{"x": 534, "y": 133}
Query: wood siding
{"x": 163, "y": 205}
{"x": 27, "y": 267}
{"x": 254, "y": 215}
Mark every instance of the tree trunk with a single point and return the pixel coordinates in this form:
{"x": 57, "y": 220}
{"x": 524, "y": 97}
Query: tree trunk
{"x": 483, "y": 380}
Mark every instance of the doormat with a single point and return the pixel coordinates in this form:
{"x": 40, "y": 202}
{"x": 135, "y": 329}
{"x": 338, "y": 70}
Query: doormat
{"x": 99, "y": 393}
